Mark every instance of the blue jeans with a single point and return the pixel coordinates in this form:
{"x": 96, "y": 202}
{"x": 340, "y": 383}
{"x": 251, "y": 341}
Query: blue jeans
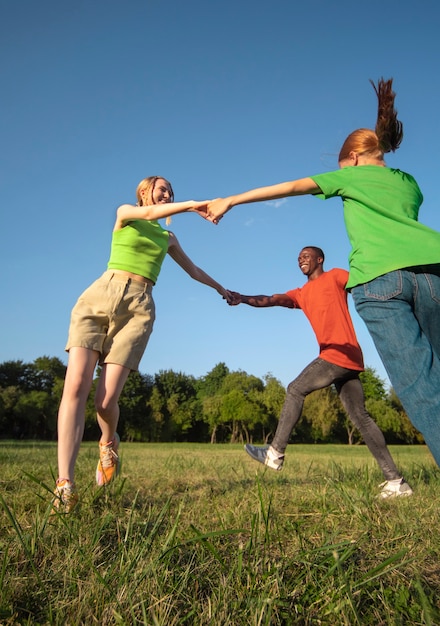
{"x": 401, "y": 310}
{"x": 317, "y": 375}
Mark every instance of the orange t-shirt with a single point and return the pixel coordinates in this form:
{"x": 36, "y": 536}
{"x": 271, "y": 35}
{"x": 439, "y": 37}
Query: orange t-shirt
{"x": 324, "y": 302}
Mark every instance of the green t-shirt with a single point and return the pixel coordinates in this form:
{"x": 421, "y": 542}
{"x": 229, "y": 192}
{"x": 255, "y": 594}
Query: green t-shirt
{"x": 381, "y": 208}
{"x": 139, "y": 247}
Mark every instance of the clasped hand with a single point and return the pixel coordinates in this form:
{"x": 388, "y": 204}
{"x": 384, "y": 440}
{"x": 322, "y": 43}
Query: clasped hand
{"x": 212, "y": 210}
{"x": 233, "y": 297}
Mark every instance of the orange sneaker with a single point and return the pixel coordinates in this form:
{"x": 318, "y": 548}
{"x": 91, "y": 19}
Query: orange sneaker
{"x": 108, "y": 464}
{"x": 65, "y": 496}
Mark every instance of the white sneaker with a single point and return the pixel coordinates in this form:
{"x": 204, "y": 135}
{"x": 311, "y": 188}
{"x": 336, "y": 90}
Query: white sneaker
{"x": 266, "y": 455}
{"x": 395, "y": 488}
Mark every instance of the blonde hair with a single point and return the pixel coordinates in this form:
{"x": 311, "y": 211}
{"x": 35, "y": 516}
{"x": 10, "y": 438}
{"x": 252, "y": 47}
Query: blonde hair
{"x": 147, "y": 185}
{"x": 388, "y": 133}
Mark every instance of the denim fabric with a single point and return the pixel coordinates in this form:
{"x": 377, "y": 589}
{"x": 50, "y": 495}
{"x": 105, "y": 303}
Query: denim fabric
{"x": 317, "y": 375}
{"x": 401, "y": 310}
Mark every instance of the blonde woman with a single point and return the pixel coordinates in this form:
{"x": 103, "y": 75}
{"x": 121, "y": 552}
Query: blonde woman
{"x": 111, "y": 324}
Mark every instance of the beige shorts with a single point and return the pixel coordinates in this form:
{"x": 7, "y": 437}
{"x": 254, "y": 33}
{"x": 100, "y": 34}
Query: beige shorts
{"x": 115, "y": 317}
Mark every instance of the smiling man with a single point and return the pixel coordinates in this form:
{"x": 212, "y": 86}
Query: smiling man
{"x": 323, "y": 299}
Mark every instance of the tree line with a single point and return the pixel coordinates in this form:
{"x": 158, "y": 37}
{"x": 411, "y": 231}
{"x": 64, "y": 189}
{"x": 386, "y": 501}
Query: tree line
{"x": 222, "y": 406}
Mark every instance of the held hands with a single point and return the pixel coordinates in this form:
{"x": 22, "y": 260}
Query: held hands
{"x": 201, "y": 208}
{"x": 227, "y": 295}
{"x": 216, "y": 209}
{"x": 231, "y": 297}
{"x": 211, "y": 210}
{"x": 234, "y": 298}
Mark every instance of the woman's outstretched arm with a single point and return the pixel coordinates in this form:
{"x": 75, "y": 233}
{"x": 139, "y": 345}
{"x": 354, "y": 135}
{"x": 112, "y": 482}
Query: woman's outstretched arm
{"x": 217, "y": 208}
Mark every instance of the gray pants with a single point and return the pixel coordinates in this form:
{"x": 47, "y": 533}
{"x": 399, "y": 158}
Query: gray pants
{"x": 318, "y": 375}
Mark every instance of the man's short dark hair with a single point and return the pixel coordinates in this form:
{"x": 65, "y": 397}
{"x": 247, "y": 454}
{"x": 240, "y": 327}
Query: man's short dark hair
{"x": 318, "y": 251}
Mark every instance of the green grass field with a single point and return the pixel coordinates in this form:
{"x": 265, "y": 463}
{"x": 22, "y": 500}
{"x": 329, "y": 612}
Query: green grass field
{"x": 201, "y": 534}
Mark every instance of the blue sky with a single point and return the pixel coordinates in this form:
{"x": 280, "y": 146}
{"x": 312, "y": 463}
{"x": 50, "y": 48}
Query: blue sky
{"x": 218, "y": 97}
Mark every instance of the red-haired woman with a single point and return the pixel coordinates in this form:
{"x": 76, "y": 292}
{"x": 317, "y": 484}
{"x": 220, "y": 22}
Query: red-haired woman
{"x": 394, "y": 262}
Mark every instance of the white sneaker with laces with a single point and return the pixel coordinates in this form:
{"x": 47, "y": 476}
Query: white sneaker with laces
{"x": 266, "y": 455}
{"x": 395, "y": 489}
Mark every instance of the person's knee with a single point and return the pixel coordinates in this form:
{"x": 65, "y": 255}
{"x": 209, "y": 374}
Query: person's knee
{"x": 76, "y": 387}
{"x": 295, "y": 391}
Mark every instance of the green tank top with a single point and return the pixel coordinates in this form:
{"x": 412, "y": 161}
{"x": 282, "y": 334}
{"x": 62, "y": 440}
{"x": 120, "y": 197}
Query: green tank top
{"x": 140, "y": 247}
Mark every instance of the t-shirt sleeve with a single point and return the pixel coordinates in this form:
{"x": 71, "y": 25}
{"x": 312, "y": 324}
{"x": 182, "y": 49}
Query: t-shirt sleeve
{"x": 341, "y": 276}
{"x": 294, "y": 295}
{"x": 330, "y": 184}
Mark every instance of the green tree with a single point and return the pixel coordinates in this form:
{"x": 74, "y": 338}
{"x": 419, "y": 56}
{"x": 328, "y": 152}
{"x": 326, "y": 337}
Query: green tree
{"x": 212, "y": 382}
{"x": 387, "y": 418}
{"x": 375, "y": 402}
{"x": 409, "y": 434}
{"x": 321, "y": 416}
{"x": 29, "y": 403}
{"x": 11, "y": 426}
{"x": 45, "y": 371}
{"x": 219, "y": 406}
{"x": 208, "y": 393}
{"x": 242, "y": 405}
{"x": 212, "y": 414}
{"x": 36, "y": 413}
{"x": 173, "y": 403}
{"x": 274, "y": 395}
{"x": 3, "y": 421}
{"x": 373, "y": 385}
{"x": 135, "y": 412}
{"x": 16, "y": 374}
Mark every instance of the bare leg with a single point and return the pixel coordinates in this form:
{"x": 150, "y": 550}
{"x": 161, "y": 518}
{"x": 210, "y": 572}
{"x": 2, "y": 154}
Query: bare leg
{"x": 71, "y": 414}
{"x": 111, "y": 382}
